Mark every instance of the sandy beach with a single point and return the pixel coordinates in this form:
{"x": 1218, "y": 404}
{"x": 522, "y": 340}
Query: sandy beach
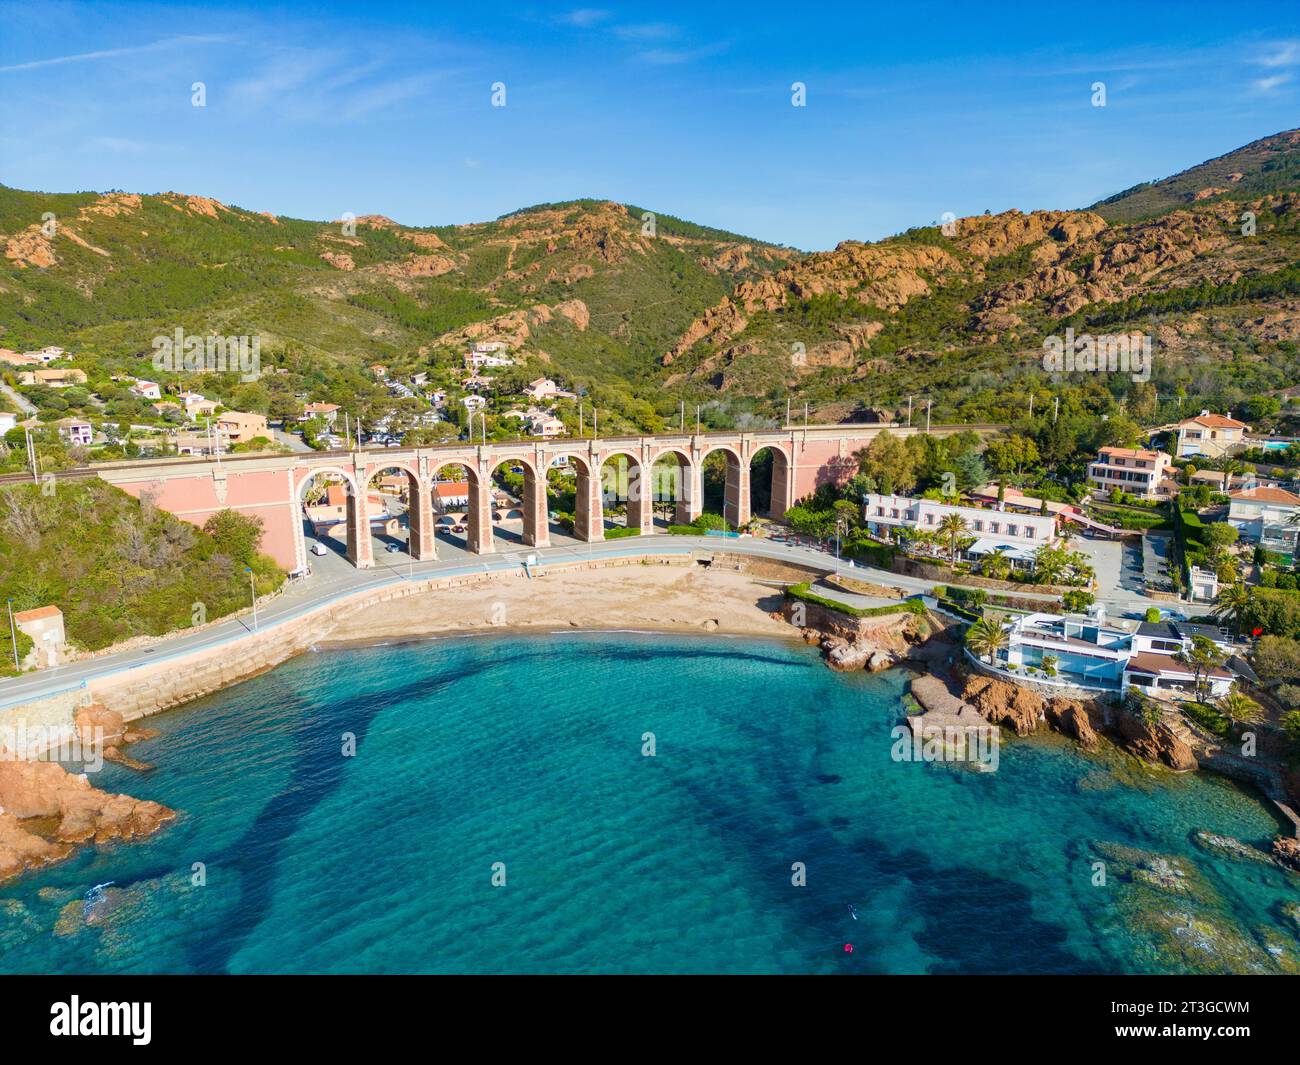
{"x": 652, "y": 597}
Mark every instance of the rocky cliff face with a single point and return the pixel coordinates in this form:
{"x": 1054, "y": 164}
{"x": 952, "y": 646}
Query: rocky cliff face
{"x": 1025, "y": 710}
{"x": 45, "y": 811}
{"x": 853, "y": 644}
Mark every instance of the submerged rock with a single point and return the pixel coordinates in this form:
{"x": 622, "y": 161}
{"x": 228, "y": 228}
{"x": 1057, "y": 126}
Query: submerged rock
{"x": 1164, "y": 873}
{"x": 1290, "y": 912}
{"x": 1231, "y": 848}
{"x": 1184, "y": 937}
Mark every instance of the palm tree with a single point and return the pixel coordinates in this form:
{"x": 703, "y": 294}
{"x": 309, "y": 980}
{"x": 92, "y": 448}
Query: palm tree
{"x": 951, "y": 528}
{"x": 1232, "y": 602}
{"x": 996, "y": 566}
{"x": 1231, "y": 467}
{"x": 1238, "y": 706}
{"x": 987, "y": 637}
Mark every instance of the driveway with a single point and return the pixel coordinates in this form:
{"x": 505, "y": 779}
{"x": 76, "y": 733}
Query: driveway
{"x": 1118, "y": 564}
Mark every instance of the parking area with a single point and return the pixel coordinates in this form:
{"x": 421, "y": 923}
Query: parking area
{"x": 1118, "y": 564}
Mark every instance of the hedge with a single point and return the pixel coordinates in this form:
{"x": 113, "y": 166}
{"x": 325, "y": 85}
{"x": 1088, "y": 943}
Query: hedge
{"x": 619, "y": 531}
{"x": 803, "y": 593}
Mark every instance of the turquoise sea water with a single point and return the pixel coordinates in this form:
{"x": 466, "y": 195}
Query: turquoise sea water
{"x": 528, "y": 752}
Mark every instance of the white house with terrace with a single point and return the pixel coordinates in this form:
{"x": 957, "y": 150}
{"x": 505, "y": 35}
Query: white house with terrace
{"x": 1269, "y": 517}
{"x": 1100, "y": 655}
{"x": 1017, "y": 536}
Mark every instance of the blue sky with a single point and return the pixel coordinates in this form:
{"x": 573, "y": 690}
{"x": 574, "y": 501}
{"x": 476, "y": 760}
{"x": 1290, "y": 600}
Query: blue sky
{"x": 912, "y": 109}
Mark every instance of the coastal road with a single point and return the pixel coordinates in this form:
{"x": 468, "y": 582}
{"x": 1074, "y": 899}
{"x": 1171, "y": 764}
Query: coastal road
{"x": 22, "y": 402}
{"x": 333, "y": 579}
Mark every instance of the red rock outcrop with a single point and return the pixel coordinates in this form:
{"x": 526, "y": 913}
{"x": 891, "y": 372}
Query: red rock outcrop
{"x": 1155, "y": 743}
{"x": 1071, "y": 717}
{"x": 67, "y": 807}
{"x": 1286, "y": 849}
{"x": 1002, "y": 703}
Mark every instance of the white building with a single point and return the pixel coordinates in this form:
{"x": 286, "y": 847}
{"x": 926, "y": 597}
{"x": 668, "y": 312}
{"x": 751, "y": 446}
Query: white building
{"x": 47, "y": 354}
{"x": 474, "y": 402}
{"x": 545, "y": 424}
{"x": 146, "y": 390}
{"x": 545, "y": 388}
{"x": 1266, "y": 516}
{"x": 1018, "y": 536}
{"x": 75, "y": 432}
{"x": 477, "y": 358}
{"x": 1091, "y": 652}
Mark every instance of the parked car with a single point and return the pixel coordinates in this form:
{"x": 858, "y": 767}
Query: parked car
{"x": 319, "y": 548}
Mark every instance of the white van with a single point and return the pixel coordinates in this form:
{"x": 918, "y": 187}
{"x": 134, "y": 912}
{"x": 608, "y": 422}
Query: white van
{"x": 319, "y": 548}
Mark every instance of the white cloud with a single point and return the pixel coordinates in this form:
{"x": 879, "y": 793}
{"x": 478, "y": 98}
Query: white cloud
{"x": 111, "y": 53}
{"x": 1284, "y": 54}
{"x": 1267, "y": 85}
{"x": 585, "y": 17}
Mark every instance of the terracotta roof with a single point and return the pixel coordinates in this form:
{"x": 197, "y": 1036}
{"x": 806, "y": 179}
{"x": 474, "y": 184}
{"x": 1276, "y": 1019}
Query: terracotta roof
{"x": 451, "y": 489}
{"x": 38, "y": 613}
{"x": 1132, "y": 452}
{"x": 1149, "y": 662}
{"x": 1267, "y": 495}
{"x": 1217, "y": 421}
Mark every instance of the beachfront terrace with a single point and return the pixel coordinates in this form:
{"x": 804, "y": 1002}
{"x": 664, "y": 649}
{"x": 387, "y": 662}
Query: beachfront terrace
{"x": 1087, "y": 651}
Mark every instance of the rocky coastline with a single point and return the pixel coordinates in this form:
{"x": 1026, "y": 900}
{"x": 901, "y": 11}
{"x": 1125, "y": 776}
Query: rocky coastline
{"x": 46, "y": 811}
{"x": 954, "y": 694}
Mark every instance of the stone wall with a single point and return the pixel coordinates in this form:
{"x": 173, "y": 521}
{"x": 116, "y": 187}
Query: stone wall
{"x": 150, "y": 687}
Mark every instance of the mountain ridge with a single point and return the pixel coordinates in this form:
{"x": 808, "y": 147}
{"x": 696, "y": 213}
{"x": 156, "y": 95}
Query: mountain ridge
{"x": 647, "y": 310}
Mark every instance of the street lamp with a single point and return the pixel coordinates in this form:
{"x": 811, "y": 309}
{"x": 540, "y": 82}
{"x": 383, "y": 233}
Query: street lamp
{"x": 13, "y": 635}
{"x": 252, "y": 588}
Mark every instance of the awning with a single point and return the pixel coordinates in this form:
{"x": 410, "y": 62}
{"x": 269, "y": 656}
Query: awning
{"x": 987, "y": 546}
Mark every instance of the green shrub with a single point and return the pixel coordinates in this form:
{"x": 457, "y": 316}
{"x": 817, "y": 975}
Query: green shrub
{"x": 803, "y": 593}
{"x": 118, "y": 568}
{"x": 1208, "y": 717}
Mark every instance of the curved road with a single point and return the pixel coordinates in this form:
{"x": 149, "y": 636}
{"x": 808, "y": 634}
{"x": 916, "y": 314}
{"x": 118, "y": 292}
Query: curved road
{"x": 335, "y": 582}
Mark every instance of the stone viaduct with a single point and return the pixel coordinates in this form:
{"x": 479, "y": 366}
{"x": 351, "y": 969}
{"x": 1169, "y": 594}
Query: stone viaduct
{"x": 641, "y": 471}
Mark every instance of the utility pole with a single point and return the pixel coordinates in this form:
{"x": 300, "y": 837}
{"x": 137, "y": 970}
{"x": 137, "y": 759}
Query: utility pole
{"x": 13, "y": 635}
{"x": 595, "y": 424}
{"x": 1056, "y": 406}
{"x": 683, "y": 418}
{"x": 252, "y": 587}
{"x": 928, "y": 404}
{"x": 909, "y": 410}
{"x": 787, "y": 411}
{"x": 31, "y": 454}
{"x": 347, "y": 430}
{"x": 697, "y": 419}
{"x": 805, "y": 415}
{"x": 581, "y": 431}
{"x": 1031, "y": 404}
